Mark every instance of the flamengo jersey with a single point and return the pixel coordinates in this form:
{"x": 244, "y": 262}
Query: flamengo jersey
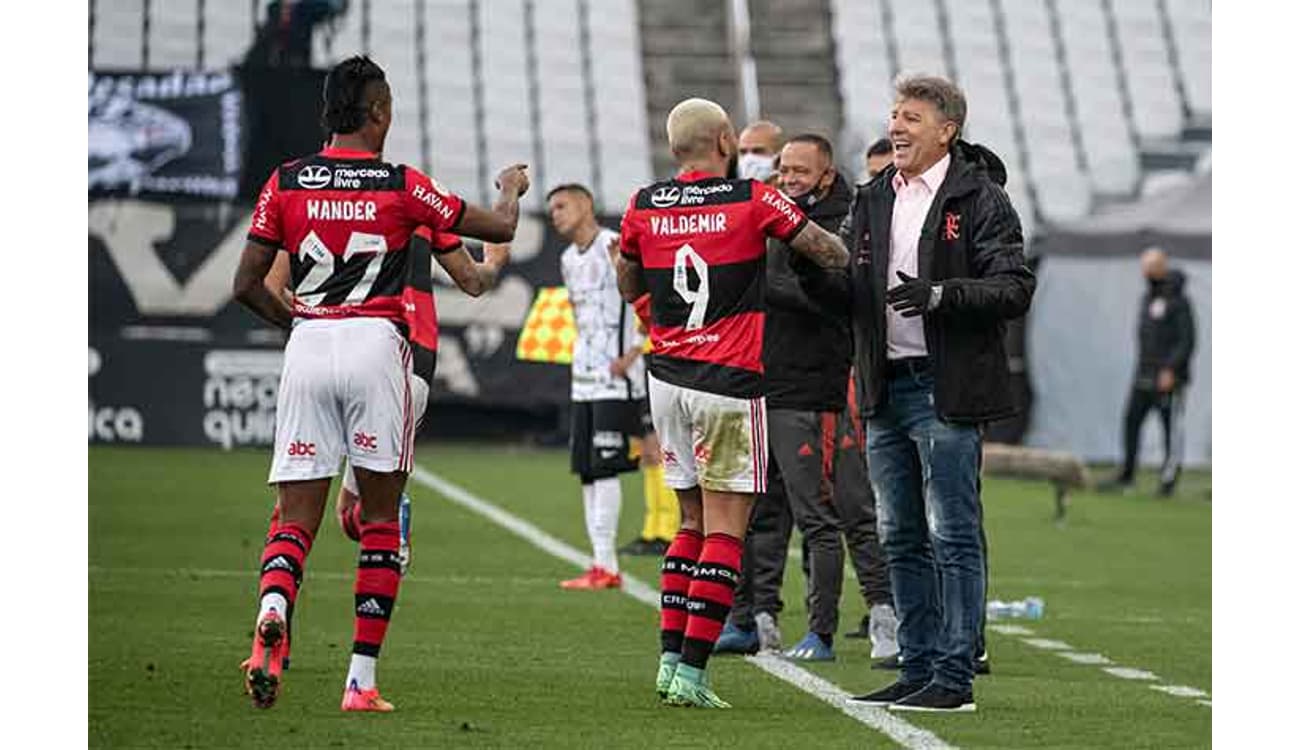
{"x": 346, "y": 219}
{"x": 702, "y": 242}
{"x": 606, "y": 324}
{"x": 418, "y": 301}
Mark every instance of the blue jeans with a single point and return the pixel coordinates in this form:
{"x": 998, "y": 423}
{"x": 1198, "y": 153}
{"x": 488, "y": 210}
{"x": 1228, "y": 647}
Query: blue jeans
{"x": 926, "y": 476}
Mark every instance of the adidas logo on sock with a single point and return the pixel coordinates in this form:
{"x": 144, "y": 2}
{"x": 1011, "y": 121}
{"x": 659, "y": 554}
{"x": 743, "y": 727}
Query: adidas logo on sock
{"x": 279, "y": 561}
{"x": 370, "y": 607}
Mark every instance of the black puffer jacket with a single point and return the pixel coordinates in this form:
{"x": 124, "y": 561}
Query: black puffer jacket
{"x": 1166, "y": 332}
{"x": 807, "y": 347}
{"x": 972, "y": 243}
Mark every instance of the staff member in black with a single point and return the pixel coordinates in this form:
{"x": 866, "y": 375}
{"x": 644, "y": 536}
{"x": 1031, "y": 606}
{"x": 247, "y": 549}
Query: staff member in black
{"x": 1166, "y": 340}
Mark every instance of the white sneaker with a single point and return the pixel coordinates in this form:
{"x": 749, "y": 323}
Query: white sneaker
{"x": 769, "y": 636}
{"x": 883, "y": 631}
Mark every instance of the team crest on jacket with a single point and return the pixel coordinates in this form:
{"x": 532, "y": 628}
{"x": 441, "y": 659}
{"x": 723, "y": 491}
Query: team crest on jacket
{"x": 951, "y": 226}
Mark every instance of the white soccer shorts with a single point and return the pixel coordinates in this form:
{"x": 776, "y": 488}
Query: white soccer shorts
{"x": 420, "y": 396}
{"x": 345, "y": 392}
{"x": 716, "y": 442}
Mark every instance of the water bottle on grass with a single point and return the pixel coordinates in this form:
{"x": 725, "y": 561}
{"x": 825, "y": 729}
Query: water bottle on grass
{"x": 1030, "y": 608}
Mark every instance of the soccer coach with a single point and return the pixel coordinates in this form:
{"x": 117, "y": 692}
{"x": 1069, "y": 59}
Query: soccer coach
{"x": 937, "y": 268}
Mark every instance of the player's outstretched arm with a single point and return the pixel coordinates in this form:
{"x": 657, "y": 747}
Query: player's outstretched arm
{"x": 498, "y": 224}
{"x": 820, "y": 246}
{"x": 250, "y": 286}
{"x": 472, "y": 277}
{"x": 631, "y": 281}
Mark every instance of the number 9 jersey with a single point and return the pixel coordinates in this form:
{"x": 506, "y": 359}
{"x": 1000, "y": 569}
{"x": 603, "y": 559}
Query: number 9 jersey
{"x": 346, "y": 219}
{"x": 701, "y": 240}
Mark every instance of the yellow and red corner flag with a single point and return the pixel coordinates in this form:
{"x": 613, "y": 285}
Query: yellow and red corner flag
{"x": 549, "y": 330}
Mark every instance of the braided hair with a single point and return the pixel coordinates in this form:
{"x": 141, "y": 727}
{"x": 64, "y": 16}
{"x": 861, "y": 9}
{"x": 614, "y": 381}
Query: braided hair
{"x": 346, "y": 105}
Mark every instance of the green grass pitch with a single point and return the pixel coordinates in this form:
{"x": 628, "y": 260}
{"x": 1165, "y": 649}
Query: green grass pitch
{"x": 486, "y": 651}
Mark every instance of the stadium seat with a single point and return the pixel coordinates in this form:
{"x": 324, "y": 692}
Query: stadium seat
{"x": 917, "y": 30}
{"x": 118, "y": 36}
{"x": 1190, "y": 23}
{"x": 174, "y": 35}
{"x": 1144, "y": 53}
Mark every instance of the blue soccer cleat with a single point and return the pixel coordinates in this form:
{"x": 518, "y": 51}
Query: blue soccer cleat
{"x": 736, "y": 640}
{"x": 811, "y": 648}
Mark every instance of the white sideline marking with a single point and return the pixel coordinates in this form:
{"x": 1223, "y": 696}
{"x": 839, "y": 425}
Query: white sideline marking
{"x": 1129, "y": 673}
{"x": 1081, "y": 658}
{"x": 1204, "y": 703}
{"x": 1066, "y": 651}
{"x": 1049, "y": 644}
{"x": 898, "y": 730}
{"x": 1182, "y": 691}
{"x": 905, "y": 734}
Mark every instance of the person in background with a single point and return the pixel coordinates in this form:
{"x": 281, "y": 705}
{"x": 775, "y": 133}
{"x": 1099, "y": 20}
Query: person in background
{"x": 608, "y": 378}
{"x": 760, "y": 143}
{"x": 1166, "y": 340}
{"x": 879, "y": 155}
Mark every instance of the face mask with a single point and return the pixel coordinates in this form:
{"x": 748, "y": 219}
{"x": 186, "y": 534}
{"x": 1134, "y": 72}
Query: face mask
{"x": 806, "y": 201}
{"x": 755, "y": 166}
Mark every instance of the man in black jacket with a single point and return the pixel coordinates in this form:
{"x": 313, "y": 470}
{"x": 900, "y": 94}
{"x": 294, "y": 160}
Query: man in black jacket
{"x": 1166, "y": 340}
{"x": 938, "y": 268}
{"x": 817, "y": 475}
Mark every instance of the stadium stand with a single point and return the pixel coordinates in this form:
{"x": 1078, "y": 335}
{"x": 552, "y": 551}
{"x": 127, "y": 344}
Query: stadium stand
{"x": 1088, "y": 102}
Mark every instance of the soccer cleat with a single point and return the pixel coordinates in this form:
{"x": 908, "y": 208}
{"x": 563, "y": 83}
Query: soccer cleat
{"x": 769, "y": 635}
{"x": 982, "y": 663}
{"x": 690, "y": 688}
{"x": 736, "y": 640}
{"x": 667, "y": 668}
{"x": 890, "y": 694}
{"x": 263, "y": 668}
{"x": 595, "y": 578}
{"x": 355, "y": 699}
{"x": 811, "y": 648}
{"x": 934, "y": 697}
{"x": 883, "y": 631}
{"x": 404, "y": 532}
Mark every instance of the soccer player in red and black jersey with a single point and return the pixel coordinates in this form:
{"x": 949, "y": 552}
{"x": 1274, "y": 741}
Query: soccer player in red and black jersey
{"x": 472, "y": 277}
{"x": 697, "y": 244}
{"x": 345, "y": 217}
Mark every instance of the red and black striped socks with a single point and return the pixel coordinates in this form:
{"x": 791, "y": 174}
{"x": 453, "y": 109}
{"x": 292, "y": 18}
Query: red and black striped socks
{"x": 379, "y": 572}
{"x": 712, "y": 591}
{"x": 674, "y": 585}
{"x": 283, "y": 558}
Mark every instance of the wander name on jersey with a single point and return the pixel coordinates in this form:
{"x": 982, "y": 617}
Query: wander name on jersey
{"x": 328, "y": 210}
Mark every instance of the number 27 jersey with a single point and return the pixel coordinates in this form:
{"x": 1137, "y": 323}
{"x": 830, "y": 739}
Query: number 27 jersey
{"x": 701, "y": 240}
{"x": 346, "y": 219}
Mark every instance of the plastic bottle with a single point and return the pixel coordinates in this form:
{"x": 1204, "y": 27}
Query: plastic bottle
{"x": 1030, "y": 608}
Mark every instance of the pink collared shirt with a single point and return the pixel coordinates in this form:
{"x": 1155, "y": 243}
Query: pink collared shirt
{"x": 905, "y": 337}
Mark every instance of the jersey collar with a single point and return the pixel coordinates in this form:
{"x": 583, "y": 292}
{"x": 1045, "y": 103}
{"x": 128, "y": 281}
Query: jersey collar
{"x": 347, "y": 153}
{"x": 696, "y": 175}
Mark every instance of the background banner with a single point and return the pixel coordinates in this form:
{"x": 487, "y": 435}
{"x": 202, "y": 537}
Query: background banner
{"x": 164, "y": 135}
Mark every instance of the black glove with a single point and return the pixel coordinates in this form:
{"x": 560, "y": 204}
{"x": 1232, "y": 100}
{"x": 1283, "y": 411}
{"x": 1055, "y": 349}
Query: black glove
{"x": 913, "y": 296}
